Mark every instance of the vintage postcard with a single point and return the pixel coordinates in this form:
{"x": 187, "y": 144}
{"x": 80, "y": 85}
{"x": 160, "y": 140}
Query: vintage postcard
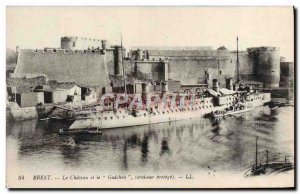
{"x": 150, "y": 97}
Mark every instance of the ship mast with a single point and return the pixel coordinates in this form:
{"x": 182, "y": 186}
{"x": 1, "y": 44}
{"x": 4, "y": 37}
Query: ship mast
{"x": 237, "y": 59}
{"x": 267, "y": 157}
{"x": 256, "y": 151}
{"x": 219, "y": 69}
{"x": 125, "y": 90}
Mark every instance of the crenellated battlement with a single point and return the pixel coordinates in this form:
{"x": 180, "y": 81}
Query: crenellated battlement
{"x": 263, "y": 48}
{"x": 82, "y": 43}
{"x": 74, "y": 38}
{"x": 62, "y": 51}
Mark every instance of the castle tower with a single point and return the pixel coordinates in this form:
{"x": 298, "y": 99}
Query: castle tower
{"x": 118, "y": 61}
{"x": 267, "y": 64}
{"x": 103, "y": 44}
{"x": 79, "y": 43}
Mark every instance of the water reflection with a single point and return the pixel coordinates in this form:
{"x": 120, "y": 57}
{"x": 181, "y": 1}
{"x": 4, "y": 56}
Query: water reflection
{"x": 222, "y": 144}
{"x": 164, "y": 147}
{"x": 125, "y": 163}
{"x": 144, "y": 149}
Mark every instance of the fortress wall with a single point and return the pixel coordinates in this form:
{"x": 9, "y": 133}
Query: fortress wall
{"x": 129, "y": 67}
{"x": 110, "y": 61}
{"x": 84, "y": 68}
{"x": 246, "y": 65}
{"x": 189, "y": 66}
{"x": 151, "y": 70}
{"x": 188, "y": 53}
{"x": 196, "y": 71}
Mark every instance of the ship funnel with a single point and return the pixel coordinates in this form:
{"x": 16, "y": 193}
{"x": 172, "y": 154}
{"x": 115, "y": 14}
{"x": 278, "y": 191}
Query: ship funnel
{"x": 164, "y": 87}
{"x": 215, "y": 86}
{"x": 229, "y": 84}
{"x": 145, "y": 91}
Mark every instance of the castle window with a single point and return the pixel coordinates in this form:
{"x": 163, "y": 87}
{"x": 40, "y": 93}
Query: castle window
{"x": 205, "y": 72}
{"x": 74, "y": 44}
{"x": 220, "y": 72}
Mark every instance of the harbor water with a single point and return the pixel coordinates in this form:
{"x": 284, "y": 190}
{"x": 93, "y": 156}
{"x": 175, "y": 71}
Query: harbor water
{"x": 195, "y": 145}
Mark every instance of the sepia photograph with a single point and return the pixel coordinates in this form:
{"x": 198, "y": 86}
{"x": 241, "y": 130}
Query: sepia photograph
{"x": 150, "y": 97}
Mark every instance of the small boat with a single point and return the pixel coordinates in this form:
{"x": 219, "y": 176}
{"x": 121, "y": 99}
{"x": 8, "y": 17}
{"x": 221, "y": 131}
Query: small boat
{"x": 274, "y": 108}
{"x": 91, "y": 131}
{"x": 268, "y": 167}
{"x": 232, "y": 112}
{"x": 44, "y": 119}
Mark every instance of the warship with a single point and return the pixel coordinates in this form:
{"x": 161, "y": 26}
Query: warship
{"x": 172, "y": 106}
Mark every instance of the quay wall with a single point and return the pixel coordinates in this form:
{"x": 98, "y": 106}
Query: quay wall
{"x": 152, "y": 70}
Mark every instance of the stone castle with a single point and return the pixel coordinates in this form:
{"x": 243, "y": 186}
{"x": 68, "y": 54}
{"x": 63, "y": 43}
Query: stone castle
{"x": 93, "y": 62}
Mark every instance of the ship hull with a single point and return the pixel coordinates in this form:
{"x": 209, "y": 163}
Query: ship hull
{"x": 119, "y": 119}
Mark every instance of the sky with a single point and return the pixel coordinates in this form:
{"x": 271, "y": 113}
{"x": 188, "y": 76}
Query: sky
{"x": 39, "y": 27}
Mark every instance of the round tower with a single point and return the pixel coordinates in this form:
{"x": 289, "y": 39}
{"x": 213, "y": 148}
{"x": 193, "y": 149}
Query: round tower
{"x": 139, "y": 54}
{"x": 118, "y": 61}
{"x": 69, "y": 43}
{"x": 104, "y": 44}
{"x": 267, "y": 65}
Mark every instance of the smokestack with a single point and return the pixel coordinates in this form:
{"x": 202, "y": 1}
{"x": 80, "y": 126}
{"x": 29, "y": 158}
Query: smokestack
{"x": 229, "y": 84}
{"x": 145, "y": 91}
{"x": 215, "y": 86}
